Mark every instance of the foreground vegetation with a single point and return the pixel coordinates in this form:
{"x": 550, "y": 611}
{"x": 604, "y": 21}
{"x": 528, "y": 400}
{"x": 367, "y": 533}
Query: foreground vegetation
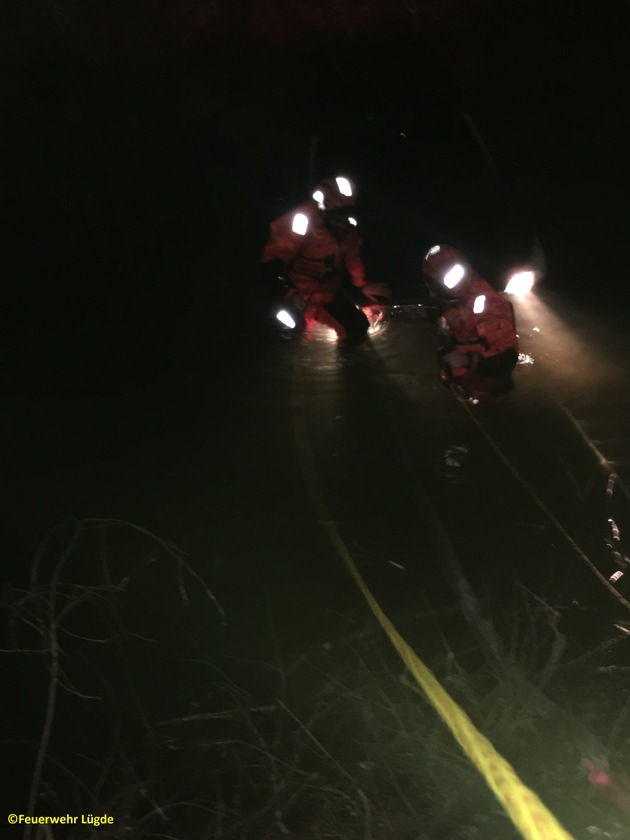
{"x": 126, "y": 699}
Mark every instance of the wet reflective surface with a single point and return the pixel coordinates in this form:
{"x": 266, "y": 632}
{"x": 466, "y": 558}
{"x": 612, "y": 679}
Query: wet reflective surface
{"x": 209, "y": 444}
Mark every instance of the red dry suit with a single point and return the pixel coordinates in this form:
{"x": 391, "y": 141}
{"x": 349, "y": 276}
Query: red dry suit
{"x": 484, "y": 334}
{"x": 316, "y": 261}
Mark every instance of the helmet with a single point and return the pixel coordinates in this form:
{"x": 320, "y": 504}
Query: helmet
{"x": 334, "y": 194}
{"x": 446, "y": 265}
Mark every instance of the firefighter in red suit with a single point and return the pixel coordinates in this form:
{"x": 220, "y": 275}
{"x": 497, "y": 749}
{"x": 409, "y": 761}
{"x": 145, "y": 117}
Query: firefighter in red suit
{"x": 316, "y": 247}
{"x": 477, "y": 323}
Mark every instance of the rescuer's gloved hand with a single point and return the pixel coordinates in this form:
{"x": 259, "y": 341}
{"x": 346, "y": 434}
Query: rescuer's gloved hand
{"x": 376, "y": 291}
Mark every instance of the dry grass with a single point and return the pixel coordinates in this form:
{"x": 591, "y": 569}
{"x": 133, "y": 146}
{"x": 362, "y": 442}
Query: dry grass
{"x": 140, "y": 718}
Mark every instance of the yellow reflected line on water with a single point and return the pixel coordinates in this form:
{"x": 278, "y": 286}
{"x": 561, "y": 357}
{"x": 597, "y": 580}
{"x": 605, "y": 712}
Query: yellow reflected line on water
{"x": 530, "y": 816}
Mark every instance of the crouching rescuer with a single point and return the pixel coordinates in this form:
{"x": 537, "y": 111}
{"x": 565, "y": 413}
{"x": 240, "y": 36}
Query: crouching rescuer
{"x": 315, "y": 249}
{"x": 479, "y": 340}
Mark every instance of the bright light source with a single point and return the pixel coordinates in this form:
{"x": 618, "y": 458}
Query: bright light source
{"x": 454, "y": 275}
{"x": 520, "y": 283}
{"x": 352, "y": 221}
{"x": 479, "y": 305}
{"x": 300, "y": 224}
{"x": 318, "y": 195}
{"x": 284, "y": 318}
{"x": 344, "y": 186}
{"x": 432, "y": 251}
{"x": 615, "y": 577}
